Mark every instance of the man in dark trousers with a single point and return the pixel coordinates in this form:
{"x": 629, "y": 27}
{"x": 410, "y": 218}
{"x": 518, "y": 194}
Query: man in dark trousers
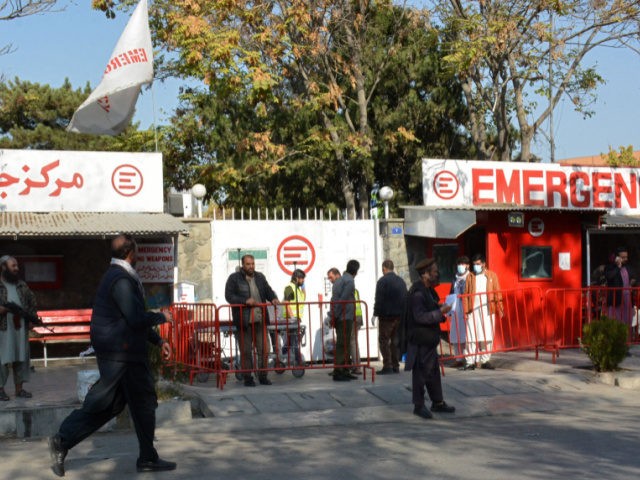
{"x": 621, "y": 277}
{"x": 343, "y": 311}
{"x": 424, "y": 316}
{"x": 121, "y": 328}
{"x": 391, "y": 291}
{"x": 249, "y": 288}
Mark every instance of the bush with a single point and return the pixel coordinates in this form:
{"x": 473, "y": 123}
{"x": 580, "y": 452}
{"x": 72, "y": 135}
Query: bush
{"x": 605, "y": 343}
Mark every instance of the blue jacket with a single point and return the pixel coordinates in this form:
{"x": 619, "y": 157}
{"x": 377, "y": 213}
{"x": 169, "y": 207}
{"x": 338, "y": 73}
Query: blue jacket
{"x": 120, "y": 324}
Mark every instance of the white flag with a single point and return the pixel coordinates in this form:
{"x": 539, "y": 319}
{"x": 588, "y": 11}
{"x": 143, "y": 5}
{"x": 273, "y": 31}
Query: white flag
{"x": 109, "y": 108}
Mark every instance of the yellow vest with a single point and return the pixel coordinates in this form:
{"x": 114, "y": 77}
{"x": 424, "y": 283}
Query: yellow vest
{"x": 298, "y": 297}
{"x": 356, "y": 295}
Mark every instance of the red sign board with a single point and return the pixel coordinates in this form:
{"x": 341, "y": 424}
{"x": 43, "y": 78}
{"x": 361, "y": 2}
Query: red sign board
{"x": 294, "y": 252}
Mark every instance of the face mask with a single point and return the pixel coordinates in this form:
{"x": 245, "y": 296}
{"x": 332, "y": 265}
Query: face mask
{"x": 477, "y": 269}
{"x": 461, "y": 269}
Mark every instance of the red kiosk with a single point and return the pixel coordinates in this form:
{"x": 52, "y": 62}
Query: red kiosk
{"x": 532, "y": 221}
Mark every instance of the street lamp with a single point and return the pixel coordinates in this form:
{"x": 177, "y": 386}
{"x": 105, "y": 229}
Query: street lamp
{"x": 386, "y": 194}
{"x": 199, "y": 191}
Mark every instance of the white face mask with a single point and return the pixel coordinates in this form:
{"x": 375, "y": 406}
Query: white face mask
{"x": 461, "y": 269}
{"x": 477, "y": 269}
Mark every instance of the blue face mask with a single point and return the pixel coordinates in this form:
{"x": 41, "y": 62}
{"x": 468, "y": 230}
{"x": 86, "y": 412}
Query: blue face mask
{"x": 461, "y": 269}
{"x": 477, "y": 269}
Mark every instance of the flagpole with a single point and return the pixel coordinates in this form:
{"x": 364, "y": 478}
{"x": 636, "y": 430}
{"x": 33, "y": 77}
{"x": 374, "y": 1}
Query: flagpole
{"x": 153, "y": 107}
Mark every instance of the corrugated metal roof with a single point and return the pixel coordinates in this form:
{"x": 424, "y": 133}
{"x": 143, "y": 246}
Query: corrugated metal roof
{"x": 85, "y": 224}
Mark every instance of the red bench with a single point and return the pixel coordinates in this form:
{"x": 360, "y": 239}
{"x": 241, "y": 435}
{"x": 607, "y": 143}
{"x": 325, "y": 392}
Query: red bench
{"x": 62, "y": 326}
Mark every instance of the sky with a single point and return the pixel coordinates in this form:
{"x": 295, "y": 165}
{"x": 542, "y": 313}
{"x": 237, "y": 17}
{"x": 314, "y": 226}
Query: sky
{"x": 77, "y": 42}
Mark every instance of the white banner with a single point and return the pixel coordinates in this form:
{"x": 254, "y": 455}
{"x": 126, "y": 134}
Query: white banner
{"x": 460, "y": 183}
{"x": 110, "y": 107}
{"x": 55, "y": 181}
{"x": 155, "y": 262}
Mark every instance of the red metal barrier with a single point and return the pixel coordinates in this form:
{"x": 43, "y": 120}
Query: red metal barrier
{"x": 205, "y": 341}
{"x": 568, "y": 310}
{"x": 508, "y": 320}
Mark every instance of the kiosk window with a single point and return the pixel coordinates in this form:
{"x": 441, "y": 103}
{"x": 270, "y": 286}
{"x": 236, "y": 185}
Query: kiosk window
{"x": 445, "y": 256}
{"x": 535, "y": 263}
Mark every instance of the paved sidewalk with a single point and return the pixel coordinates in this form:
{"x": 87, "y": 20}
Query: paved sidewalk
{"x": 301, "y": 427}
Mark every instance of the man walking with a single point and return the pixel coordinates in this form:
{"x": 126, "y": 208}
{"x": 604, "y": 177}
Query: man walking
{"x": 120, "y": 331}
{"x": 246, "y": 289}
{"x": 14, "y": 329}
{"x": 391, "y": 291}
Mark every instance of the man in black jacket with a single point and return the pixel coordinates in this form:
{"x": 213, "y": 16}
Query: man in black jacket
{"x": 246, "y": 290}
{"x": 391, "y": 291}
{"x": 424, "y": 316}
{"x": 120, "y": 332}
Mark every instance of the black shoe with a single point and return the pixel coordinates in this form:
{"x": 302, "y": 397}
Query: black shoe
{"x": 156, "y": 466}
{"x": 264, "y": 381}
{"x": 249, "y": 382}
{"x": 396, "y": 369}
{"x": 58, "y": 454}
{"x": 487, "y": 366}
{"x": 442, "y": 407}
{"x": 422, "y": 412}
{"x": 468, "y": 366}
{"x": 341, "y": 378}
{"x": 23, "y": 394}
{"x": 385, "y": 371}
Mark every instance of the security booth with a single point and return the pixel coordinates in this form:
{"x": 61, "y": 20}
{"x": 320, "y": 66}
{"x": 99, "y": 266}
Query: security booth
{"x": 59, "y": 210}
{"x": 533, "y": 222}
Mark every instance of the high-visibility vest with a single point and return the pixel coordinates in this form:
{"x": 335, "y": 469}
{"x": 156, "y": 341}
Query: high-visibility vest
{"x": 299, "y": 296}
{"x": 356, "y": 295}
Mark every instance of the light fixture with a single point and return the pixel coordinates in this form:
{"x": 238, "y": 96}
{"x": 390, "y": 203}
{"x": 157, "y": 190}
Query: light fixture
{"x": 386, "y": 194}
{"x": 199, "y": 191}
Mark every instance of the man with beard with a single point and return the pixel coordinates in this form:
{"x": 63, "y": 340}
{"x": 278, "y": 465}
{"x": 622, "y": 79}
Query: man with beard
{"x": 424, "y": 316}
{"x": 121, "y": 329}
{"x": 14, "y": 330}
{"x": 250, "y": 289}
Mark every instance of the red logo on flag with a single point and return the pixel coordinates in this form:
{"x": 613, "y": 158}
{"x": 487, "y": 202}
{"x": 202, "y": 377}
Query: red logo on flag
{"x": 296, "y": 252}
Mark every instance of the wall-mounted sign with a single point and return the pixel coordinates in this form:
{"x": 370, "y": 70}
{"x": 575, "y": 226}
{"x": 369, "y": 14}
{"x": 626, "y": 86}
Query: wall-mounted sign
{"x": 536, "y": 227}
{"x": 55, "y": 181}
{"x": 155, "y": 262}
{"x": 295, "y": 252}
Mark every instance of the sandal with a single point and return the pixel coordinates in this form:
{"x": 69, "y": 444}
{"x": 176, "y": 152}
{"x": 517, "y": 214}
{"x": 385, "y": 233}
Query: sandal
{"x": 3, "y": 396}
{"x": 23, "y": 394}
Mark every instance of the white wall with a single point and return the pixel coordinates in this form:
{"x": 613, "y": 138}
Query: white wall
{"x": 334, "y": 242}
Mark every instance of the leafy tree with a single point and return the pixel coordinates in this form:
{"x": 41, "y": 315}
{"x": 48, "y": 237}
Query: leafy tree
{"x": 34, "y": 116}
{"x": 505, "y": 51}
{"x": 623, "y": 158}
{"x": 286, "y": 103}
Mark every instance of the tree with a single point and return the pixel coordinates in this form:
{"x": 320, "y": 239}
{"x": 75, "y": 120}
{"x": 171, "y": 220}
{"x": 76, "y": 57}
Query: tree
{"x": 34, "y": 116}
{"x": 284, "y": 118}
{"x": 508, "y": 51}
{"x": 316, "y": 61}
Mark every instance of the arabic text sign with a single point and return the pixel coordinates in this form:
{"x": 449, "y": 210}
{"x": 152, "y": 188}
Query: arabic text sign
{"x": 458, "y": 183}
{"x": 155, "y": 262}
{"x": 50, "y": 180}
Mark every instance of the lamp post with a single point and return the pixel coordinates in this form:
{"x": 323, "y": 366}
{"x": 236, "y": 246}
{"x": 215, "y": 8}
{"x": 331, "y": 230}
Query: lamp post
{"x": 199, "y": 191}
{"x": 386, "y": 194}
